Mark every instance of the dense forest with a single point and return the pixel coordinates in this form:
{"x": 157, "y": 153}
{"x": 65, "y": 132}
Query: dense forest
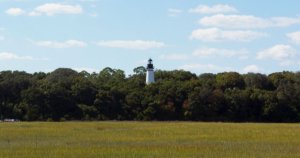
{"x": 65, "y": 94}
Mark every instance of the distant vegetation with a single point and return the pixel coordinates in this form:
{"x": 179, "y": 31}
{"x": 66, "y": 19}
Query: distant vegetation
{"x": 65, "y": 94}
{"x": 148, "y": 140}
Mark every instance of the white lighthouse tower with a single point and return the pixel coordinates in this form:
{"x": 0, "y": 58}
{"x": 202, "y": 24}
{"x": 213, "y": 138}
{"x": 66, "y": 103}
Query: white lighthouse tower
{"x": 150, "y": 73}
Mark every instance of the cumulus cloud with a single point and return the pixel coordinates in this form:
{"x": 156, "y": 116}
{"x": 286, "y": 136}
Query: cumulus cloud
{"x": 15, "y": 11}
{"x": 252, "y": 68}
{"x": 51, "y": 9}
{"x": 284, "y": 21}
{"x": 294, "y": 37}
{"x": 65, "y": 44}
{"x": 174, "y": 57}
{"x": 174, "y": 12}
{"x": 215, "y": 34}
{"x": 215, "y": 52}
{"x": 279, "y": 52}
{"x": 135, "y": 44}
{"x": 219, "y": 8}
{"x": 12, "y": 56}
{"x": 205, "y": 68}
{"x": 246, "y": 21}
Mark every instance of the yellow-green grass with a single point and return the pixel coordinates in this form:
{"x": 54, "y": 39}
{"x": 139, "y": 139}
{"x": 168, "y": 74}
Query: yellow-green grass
{"x": 148, "y": 139}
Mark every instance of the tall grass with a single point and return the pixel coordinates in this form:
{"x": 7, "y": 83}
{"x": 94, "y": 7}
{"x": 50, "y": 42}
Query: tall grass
{"x": 148, "y": 139}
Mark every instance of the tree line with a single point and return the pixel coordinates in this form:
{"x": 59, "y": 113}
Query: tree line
{"x": 65, "y": 94}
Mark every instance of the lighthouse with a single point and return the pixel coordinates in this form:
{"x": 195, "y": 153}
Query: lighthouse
{"x": 150, "y": 73}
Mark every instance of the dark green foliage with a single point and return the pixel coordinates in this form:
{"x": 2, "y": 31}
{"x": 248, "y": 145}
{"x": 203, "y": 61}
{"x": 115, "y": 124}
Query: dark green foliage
{"x": 65, "y": 94}
{"x": 229, "y": 80}
{"x": 205, "y": 104}
{"x": 259, "y": 81}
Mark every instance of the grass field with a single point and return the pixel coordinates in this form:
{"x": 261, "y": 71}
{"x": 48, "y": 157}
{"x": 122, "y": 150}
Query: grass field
{"x": 148, "y": 139}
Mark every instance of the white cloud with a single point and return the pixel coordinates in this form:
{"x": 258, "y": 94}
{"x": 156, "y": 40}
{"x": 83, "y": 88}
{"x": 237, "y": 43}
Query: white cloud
{"x": 51, "y": 9}
{"x": 279, "y": 52}
{"x": 252, "y": 68}
{"x": 246, "y": 21}
{"x": 135, "y": 44}
{"x": 215, "y": 52}
{"x": 66, "y": 44}
{"x": 294, "y": 37}
{"x": 205, "y": 68}
{"x": 215, "y": 34}
{"x": 174, "y": 57}
{"x": 174, "y": 12}
{"x": 219, "y": 8}
{"x": 12, "y": 56}
{"x": 284, "y": 21}
{"x": 15, "y": 11}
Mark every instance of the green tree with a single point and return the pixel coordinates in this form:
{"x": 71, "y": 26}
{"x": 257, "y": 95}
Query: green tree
{"x": 141, "y": 70}
{"x": 256, "y": 80}
{"x": 230, "y": 80}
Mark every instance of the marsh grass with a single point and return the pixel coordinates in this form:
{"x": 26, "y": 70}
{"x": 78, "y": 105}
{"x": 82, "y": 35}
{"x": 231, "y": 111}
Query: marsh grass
{"x": 147, "y": 139}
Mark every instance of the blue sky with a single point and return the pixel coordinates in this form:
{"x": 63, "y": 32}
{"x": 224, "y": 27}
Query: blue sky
{"x": 196, "y": 35}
